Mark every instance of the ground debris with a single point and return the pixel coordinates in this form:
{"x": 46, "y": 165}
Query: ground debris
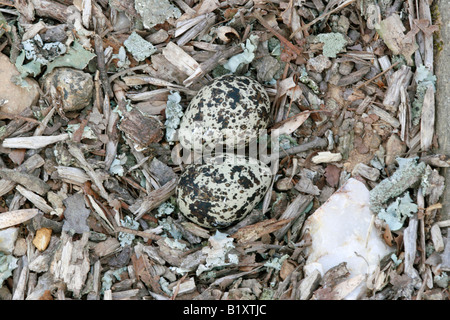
{"x": 91, "y": 98}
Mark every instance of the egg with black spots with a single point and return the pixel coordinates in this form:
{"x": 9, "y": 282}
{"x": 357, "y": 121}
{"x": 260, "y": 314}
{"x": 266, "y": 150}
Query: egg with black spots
{"x": 231, "y": 110}
{"x": 223, "y": 190}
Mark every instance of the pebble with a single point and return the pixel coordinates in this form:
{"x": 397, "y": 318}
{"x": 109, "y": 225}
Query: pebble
{"x": 13, "y": 98}
{"x": 75, "y": 85}
{"x": 318, "y": 64}
{"x": 158, "y": 37}
{"x": 346, "y": 67}
{"x": 394, "y": 148}
{"x": 8, "y": 237}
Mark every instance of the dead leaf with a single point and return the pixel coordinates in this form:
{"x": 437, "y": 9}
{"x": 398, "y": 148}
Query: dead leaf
{"x": 225, "y": 33}
{"x": 289, "y": 125}
{"x": 332, "y": 174}
{"x": 17, "y": 156}
{"x": 287, "y": 268}
{"x": 387, "y": 236}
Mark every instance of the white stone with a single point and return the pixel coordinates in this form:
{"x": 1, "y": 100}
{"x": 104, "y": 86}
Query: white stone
{"x": 342, "y": 230}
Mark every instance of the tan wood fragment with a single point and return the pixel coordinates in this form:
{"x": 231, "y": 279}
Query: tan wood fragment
{"x": 180, "y": 59}
{"x": 15, "y": 217}
{"x": 427, "y": 120}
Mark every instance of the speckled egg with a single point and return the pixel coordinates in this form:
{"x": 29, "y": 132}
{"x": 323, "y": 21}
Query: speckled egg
{"x": 232, "y": 110}
{"x": 223, "y": 190}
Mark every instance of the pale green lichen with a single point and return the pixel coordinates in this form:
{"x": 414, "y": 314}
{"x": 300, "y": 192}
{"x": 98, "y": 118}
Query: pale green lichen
{"x": 218, "y": 253}
{"x": 245, "y": 57}
{"x": 333, "y": 43}
{"x": 76, "y": 57}
{"x": 174, "y": 113}
{"x": 276, "y": 262}
{"x": 304, "y": 78}
{"x": 165, "y": 209}
{"x": 7, "y": 265}
{"x": 139, "y": 47}
{"x": 442, "y": 280}
{"x": 155, "y": 12}
{"x": 407, "y": 175}
{"x": 126, "y": 239}
{"x": 424, "y": 78}
{"x": 397, "y": 212}
{"x": 117, "y": 166}
{"x": 122, "y": 59}
{"x": 108, "y": 278}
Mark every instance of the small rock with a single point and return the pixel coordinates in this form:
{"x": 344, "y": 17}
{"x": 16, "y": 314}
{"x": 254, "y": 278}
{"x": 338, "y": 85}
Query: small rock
{"x": 326, "y": 157}
{"x": 76, "y": 87}
{"x": 366, "y": 172}
{"x": 318, "y": 64}
{"x": 266, "y": 67}
{"x": 394, "y": 148}
{"x": 158, "y": 37}
{"x": 13, "y": 98}
{"x": 42, "y": 238}
{"x": 346, "y": 67}
{"x": 7, "y": 239}
{"x": 20, "y": 248}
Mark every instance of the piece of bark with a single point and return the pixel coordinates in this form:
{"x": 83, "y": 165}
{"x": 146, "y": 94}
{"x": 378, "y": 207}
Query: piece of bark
{"x": 205, "y": 23}
{"x": 292, "y": 212}
{"x": 309, "y": 284}
{"x": 38, "y": 201}
{"x": 141, "y": 129}
{"x": 353, "y": 77}
{"x": 385, "y": 64}
{"x": 437, "y": 239}
{"x": 427, "y": 120}
{"x": 71, "y": 262}
{"x": 425, "y": 13}
{"x": 410, "y": 239}
{"x": 385, "y": 116}
{"x": 255, "y": 231}
{"x": 51, "y": 9}
{"x": 96, "y": 179}
{"x": 365, "y": 171}
{"x": 106, "y": 247}
{"x": 400, "y": 79}
{"x": 204, "y": 68}
{"x": 72, "y": 175}
{"x": 154, "y": 199}
{"x": 180, "y": 59}
{"x": 28, "y": 180}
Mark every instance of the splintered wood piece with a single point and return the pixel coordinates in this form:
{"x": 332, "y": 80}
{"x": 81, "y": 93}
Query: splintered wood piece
{"x": 292, "y": 212}
{"x": 72, "y": 175}
{"x": 154, "y": 199}
{"x": 255, "y": 231}
{"x": 180, "y": 59}
{"x": 35, "y": 142}
{"x": 400, "y": 79}
{"x": 427, "y": 120}
{"x": 31, "y": 182}
{"x": 32, "y": 163}
{"x": 38, "y": 201}
{"x": 12, "y": 218}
